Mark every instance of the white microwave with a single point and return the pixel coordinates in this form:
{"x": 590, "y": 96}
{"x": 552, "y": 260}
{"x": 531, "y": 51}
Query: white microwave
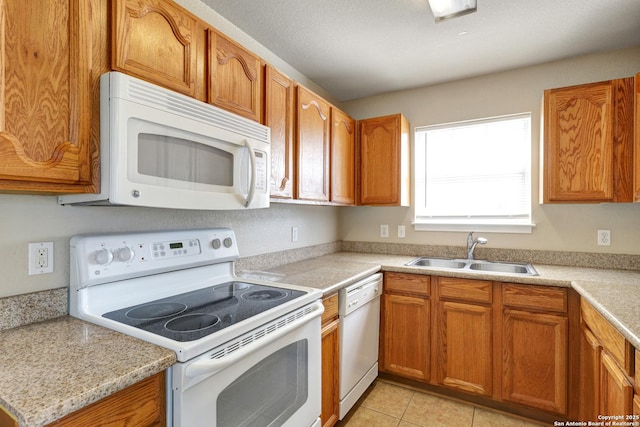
{"x": 159, "y": 148}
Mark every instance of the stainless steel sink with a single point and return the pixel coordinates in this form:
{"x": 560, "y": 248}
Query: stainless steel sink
{"x": 438, "y": 263}
{"x": 473, "y": 265}
{"x": 503, "y": 267}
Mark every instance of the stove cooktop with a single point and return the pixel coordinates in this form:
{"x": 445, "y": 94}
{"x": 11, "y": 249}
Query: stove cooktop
{"x": 193, "y": 315}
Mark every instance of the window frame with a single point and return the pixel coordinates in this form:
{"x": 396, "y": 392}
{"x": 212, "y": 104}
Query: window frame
{"x": 498, "y": 224}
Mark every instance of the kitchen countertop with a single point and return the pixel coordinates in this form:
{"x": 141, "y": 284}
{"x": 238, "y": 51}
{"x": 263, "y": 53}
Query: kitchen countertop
{"x": 614, "y": 293}
{"x": 53, "y": 368}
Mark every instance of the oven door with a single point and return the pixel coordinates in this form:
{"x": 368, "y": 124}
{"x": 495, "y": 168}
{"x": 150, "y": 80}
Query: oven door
{"x": 269, "y": 377}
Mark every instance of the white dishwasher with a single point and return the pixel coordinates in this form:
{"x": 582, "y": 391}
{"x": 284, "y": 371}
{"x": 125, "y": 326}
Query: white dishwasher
{"x": 359, "y": 325}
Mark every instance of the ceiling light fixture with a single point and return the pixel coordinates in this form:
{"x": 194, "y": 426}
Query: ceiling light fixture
{"x": 447, "y": 9}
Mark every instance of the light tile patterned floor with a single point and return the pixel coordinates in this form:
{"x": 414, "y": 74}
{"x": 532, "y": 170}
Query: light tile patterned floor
{"x": 391, "y": 405}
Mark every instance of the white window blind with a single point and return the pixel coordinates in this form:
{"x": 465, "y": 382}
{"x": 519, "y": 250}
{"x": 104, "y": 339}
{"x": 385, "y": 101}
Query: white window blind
{"x": 474, "y": 175}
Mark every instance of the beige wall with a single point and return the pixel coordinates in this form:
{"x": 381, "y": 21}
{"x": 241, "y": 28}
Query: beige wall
{"x": 25, "y": 219}
{"x": 558, "y": 227}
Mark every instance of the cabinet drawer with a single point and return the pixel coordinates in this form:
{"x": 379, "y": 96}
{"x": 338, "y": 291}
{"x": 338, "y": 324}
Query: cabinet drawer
{"x": 612, "y": 340}
{"x": 455, "y": 289}
{"x": 539, "y": 298}
{"x": 330, "y": 308}
{"x": 415, "y": 284}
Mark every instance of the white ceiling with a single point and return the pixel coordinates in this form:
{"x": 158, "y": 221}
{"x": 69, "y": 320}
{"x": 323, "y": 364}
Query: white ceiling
{"x": 358, "y": 48}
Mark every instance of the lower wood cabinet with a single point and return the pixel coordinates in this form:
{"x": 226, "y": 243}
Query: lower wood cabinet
{"x": 140, "y": 405}
{"x": 506, "y": 342}
{"x": 535, "y": 360}
{"x": 464, "y": 335}
{"x": 606, "y": 368}
{"x": 616, "y": 391}
{"x": 330, "y": 362}
{"x": 405, "y": 331}
{"x": 535, "y": 342}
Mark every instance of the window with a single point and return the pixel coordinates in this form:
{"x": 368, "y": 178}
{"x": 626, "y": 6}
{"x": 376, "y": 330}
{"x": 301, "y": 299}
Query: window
{"x": 474, "y": 175}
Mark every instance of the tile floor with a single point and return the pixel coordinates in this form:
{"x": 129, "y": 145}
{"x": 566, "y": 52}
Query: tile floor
{"x": 392, "y": 405}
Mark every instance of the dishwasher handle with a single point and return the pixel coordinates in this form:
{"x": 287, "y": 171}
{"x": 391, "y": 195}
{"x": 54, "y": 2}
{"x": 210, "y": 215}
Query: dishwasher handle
{"x": 360, "y": 293}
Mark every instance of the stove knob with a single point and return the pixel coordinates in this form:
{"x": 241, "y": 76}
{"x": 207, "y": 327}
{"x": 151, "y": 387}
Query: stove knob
{"x": 124, "y": 254}
{"x": 104, "y": 256}
{"x": 227, "y": 242}
{"x": 215, "y": 244}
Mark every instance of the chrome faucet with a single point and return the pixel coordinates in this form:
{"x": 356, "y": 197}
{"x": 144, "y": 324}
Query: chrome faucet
{"x": 471, "y": 244}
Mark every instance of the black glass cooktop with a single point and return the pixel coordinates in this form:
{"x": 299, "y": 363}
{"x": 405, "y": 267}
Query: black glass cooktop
{"x": 193, "y": 315}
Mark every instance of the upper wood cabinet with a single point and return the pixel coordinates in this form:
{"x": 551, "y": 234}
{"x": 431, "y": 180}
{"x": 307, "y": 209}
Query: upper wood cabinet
{"x": 343, "y": 162}
{"x": 155, "y": 40}
{"x": 384, "y": 174}
{"x": 588, "y": 143}
{"x": 312, "y": 138}
{"x": 278, "y": 115}
{"x": 235, "y": 77}
{"x": 51, "y": 54}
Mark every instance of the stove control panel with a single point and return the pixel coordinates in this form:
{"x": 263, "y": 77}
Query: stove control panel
{"x": 176, "y": 248}
{"x": 103, "y": 258}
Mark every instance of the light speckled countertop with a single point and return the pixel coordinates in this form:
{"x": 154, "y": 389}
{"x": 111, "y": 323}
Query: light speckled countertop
{"x": 53, "y": 368}
{"x": 50, "y": 369}
{"x": 614, "y": 293}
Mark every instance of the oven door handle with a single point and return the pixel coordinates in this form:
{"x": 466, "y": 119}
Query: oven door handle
{"x": 211, "y": 366}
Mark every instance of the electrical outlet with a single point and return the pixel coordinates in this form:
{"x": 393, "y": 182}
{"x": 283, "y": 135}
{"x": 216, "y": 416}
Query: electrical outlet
{"x": 40, "y": 258}
{"x": 294, "y": 234}
{"x": 401, "y": 232}
{"x": 604, "y": 237}
{"x": 384, "y": 230}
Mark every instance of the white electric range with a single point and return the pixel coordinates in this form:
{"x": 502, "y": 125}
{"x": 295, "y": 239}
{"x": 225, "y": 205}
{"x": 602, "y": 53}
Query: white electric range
{"x": 248, "y": 350}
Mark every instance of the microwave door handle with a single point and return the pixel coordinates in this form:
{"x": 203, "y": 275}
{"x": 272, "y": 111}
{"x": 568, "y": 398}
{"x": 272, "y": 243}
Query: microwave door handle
{"x": 252, "y": 186}
{"x": 211, "y": 366}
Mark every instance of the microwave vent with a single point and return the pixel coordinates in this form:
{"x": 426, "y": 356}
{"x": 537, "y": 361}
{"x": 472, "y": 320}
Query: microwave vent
{"x": 176, "y": 103}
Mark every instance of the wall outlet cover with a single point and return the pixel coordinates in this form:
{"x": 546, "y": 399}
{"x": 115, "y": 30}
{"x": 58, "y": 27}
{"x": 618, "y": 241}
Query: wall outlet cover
{"x": 40, "y": 258}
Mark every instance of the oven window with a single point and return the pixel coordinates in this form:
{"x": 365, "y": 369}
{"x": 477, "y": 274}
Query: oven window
{"x": 183, "y": 160}
{"x": 269, "y": 392}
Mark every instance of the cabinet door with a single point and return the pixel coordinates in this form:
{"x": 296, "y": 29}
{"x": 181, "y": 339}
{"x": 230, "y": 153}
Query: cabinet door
{"x": 405, "y": 329}
{"x": 330, "y": 371}
{"x": 278, "y": 115}
{"x": 616, "y": 396}
{"x": 155, "y": 40}
{"x": 535, "y": 360}
{"x": 588, "y": 142}
{"x": 51, "y": 54}
{"x": 343, "y": 151}
{"x": 313, "y": 129}
{"x": 464, "y": 347}
{"x": 590, "y": 353}
{"x": 384, "y": 161}
{"x": 235, "y": 77}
